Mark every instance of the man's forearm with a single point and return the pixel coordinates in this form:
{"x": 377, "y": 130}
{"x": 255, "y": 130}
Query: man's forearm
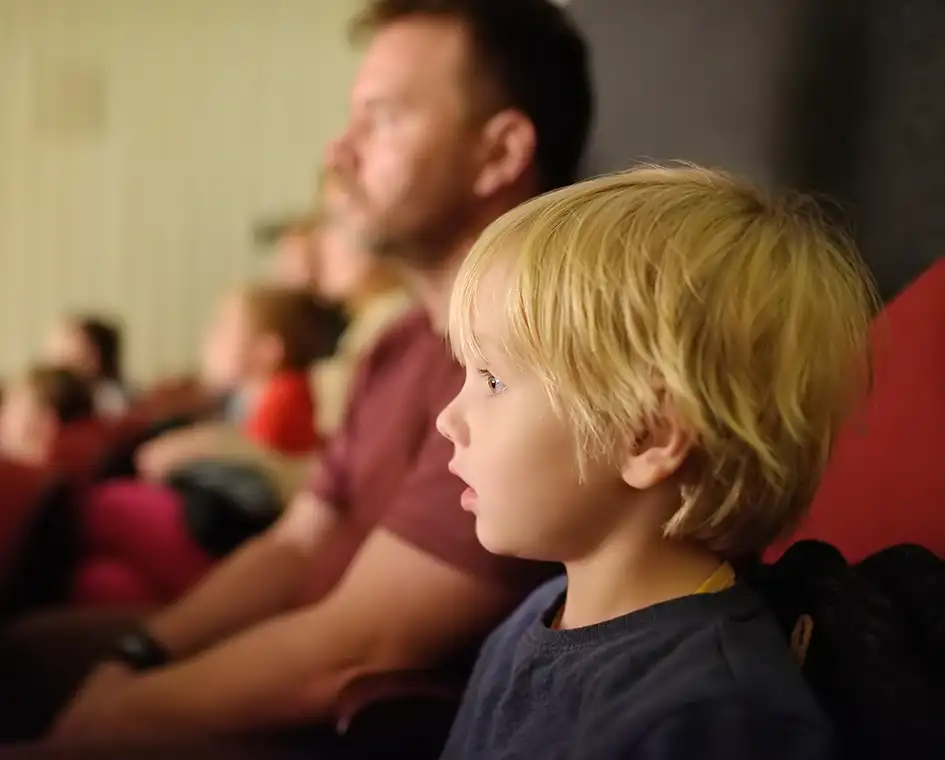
{"x": 262, "y": 579}
{"x": 396, "y": 609}
{"x": 275, "y": 675}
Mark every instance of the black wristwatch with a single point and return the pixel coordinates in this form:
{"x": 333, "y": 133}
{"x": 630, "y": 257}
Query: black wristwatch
{"x": 140, "y": 651}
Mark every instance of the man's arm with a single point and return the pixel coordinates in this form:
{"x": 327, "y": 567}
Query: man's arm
{"x": 263, "y": 578}
{"x": 397, "y": 608}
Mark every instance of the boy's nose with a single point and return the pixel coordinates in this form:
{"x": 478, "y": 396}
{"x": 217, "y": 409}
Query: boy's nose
{"x": 449, "y": 423}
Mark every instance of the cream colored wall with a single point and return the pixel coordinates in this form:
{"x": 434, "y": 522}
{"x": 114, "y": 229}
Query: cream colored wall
{"x": 139, "y": 142}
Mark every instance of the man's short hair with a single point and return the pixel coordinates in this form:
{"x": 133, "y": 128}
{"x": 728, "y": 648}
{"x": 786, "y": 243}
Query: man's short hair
{"x": 530, "y": 54}
{"x": 746, "y": 315}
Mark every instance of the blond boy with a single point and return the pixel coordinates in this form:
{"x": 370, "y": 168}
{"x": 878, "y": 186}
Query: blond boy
{"x": 657, "y": 364}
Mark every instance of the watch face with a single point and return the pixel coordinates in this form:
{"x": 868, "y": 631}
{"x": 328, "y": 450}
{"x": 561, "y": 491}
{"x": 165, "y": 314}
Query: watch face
{"x": 141, "y": 652}
{"x": 134, "y": 646}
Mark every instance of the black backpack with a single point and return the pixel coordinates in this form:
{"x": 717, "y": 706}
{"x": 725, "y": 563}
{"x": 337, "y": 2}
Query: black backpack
{"x": 225, "y": 503}
{"x": 871, "y": 641}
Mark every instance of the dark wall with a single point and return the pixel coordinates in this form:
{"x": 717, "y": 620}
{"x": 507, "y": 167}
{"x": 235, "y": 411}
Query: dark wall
{"x": 845, "y": 98}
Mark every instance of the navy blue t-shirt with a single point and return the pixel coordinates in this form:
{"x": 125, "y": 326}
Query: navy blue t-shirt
{"x": 707, "y": 677}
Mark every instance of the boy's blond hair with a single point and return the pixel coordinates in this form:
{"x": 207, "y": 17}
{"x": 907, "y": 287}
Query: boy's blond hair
{"x": 687, "y": 291}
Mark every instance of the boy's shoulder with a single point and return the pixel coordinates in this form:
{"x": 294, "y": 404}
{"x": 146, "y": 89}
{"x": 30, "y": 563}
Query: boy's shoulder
{"x": 713, "y": 668}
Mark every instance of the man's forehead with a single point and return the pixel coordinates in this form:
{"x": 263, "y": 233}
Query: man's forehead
{"x": 415, "y": 52}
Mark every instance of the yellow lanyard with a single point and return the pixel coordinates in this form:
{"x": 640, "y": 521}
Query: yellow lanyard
{"x": 721, "y": 579}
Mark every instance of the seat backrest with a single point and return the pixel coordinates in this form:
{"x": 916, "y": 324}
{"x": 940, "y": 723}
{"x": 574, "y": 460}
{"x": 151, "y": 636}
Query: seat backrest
{"x": 870, "y": 639}
{"x": 885, "y": 483}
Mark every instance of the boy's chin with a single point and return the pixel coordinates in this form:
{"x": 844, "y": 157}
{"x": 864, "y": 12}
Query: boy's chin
{"x": 502, "y": 543}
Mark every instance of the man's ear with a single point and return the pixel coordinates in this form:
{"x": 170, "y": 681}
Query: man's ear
{"x": 509, "y": 145}
{"x": 656, "y": 454}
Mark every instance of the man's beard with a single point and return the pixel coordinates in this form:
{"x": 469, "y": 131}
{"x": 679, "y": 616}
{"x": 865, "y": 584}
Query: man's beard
{"x": 422, "y": 249}
{"x": 425, "y": 243}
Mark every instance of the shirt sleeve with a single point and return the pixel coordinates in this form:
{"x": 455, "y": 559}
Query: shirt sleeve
{"x": 427, "y": 514}
{"x": 722, "y": 730}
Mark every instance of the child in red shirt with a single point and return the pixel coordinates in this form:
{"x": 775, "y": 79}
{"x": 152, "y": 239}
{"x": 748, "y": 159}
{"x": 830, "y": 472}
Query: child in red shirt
{"x": 137, "y": 546}
{"x": 260, "y": 347}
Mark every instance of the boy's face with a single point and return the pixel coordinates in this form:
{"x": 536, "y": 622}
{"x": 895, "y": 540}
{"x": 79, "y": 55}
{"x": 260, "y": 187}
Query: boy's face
{"x": 519, "y": 459}
{"x": 236, "y": 352}
{"x": 26, "y": 425}
{"x": 228, "y": 345}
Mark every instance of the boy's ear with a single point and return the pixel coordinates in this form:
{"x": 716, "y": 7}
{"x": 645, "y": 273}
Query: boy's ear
{"x": 656, "y": 454}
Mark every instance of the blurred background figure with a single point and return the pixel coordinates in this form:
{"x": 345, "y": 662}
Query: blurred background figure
{"x": 36, "y": 406}
{"x": 91, "y": 346}
{"x": 258, "y": 352}
{"x": 290, "y": 245}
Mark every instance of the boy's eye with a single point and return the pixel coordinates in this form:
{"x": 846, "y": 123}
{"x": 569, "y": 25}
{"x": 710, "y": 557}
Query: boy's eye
{"x": 495, "y": 385}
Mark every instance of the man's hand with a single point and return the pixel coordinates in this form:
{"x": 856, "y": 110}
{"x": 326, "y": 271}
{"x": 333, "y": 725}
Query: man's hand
{"x": 96, "y": 710}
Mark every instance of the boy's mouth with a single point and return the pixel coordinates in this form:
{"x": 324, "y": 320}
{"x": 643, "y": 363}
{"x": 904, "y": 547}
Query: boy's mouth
{"x": 468, "y": 500}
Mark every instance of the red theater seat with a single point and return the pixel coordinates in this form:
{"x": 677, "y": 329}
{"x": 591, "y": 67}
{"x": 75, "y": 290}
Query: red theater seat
{"x": 83, "y": 448}
{"x": 21, "y": 493}
{"x": 885, "y": 483}
{"x": 33, "y": 507}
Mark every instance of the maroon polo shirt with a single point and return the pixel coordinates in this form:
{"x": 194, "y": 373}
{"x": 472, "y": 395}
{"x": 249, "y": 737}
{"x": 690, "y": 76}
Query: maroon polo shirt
{"x": 386, "y": 467}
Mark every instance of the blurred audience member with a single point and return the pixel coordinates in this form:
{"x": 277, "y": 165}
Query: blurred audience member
{"x": 292, "y": 261}
{"x": 137, "y": 543}
{"x": 36, "y": 406}
{"x": 91, "y": 346}
{"x": 259, "y": 349}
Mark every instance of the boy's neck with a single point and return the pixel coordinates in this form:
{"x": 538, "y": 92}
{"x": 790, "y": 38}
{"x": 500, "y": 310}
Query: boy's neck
{"x": 628, "y": 575}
